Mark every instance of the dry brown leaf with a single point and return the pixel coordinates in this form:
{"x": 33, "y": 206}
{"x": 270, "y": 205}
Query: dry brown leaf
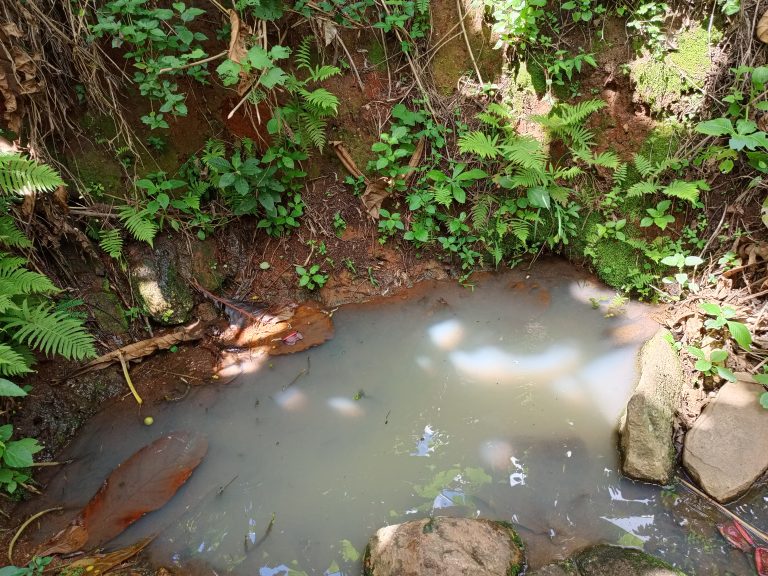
{"x": 142, "y": 483}
{"x": 346, "y": 159}
{"x": 143, "y": 348}
{"x": 762, "y": 28}
{"x": 237, "y": 48}
{"x": 375, "y": 193}
{"x": 101, "y": 563}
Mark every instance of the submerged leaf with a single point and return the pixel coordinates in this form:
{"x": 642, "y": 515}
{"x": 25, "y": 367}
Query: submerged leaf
{"x": 736, "y": 535}
{"x": 142, "y": 483}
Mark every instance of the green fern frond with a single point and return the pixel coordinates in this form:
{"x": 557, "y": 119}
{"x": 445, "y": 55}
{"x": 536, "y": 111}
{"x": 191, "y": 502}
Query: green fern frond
{"x": 111, "y": 242}
{"x": 642, "y": 188}
{"x": 682, "y": 189}
{"x": 422, "y": 6}
{"x": 521, "y": 229}
{"x": 10, "y": 263}
{"x": 480, "y": 211}
{"x": 620, "y": 174}
{"x": 527, "y": 178}
{"x": 571, "y": 114}
{"x": 577, "y": 136}
{"x": 526, "y": 152}
{"x": 12, "y": 363}
{"x": 49, "y": 331}
{"x": 608, "y": 159}
{"x": 19, "y": 175}
{"x": 302, "y": 56}
{"x": 138, "y": 223}
{"x": 443, "y": 196}
{"x": 10, "y": 235}
{"x": 7, "y": 303}
{"x": 489, "y": 119}
{"x": 569, "y": 173}
{"x": 312, "y": 129}
{"x": 319, "y": 98}
{"x": 644, "y": 166}
{"x": 15, "y": 281}
{"x": 322, "y": 73}
{"x": 479, "y": 143}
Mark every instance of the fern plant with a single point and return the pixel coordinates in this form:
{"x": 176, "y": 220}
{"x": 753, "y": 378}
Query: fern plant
{"x": 310, "y": 108}
{"x": 651, "y": 174}
{"x": 28, "y": 318}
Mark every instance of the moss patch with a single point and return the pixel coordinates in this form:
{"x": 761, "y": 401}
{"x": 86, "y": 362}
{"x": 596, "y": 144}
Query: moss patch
{"x": 673, "y": 82}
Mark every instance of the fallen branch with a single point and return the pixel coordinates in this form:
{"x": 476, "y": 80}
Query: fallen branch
{"x": 128, "y": 380}
{"x": 142, "y": 348}
{"x": 762, "y": 535}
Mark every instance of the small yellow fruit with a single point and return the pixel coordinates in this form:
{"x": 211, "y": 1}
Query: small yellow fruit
{"x": 149, "y": 421}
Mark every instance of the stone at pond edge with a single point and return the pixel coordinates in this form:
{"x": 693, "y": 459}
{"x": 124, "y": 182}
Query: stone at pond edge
{"x": 160, "y": 289}
{"x": 726, "y": 450}
{"x": 604, "y": 560}
{"x": 646, "y": 427}
{"x": 446, "y": 547}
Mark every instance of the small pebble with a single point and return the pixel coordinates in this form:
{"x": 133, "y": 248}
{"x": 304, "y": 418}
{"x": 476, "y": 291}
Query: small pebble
{"x": 148, "y": 421}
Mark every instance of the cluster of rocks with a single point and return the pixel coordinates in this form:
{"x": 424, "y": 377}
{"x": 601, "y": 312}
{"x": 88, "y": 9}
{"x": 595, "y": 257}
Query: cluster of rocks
{"x": 459, "y": 546}
{"x": 725, "y": 451}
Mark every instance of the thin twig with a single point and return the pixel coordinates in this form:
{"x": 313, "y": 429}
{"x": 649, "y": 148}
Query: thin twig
{"x": 762, "y": 535}
{"x": 351, "y": 63}
{"x": 24, "y": 527}
{"x": 466, "y": 41}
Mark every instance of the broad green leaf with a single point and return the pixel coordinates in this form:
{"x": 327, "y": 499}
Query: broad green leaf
{"x": 6, "y": 431}
{"x": 703, "y": 365}
{"x": 349, "y": 552}
{"x": 693, "y": 261}
{"x": 539, "y": 197}
{"x": 761, "y": 379}
{"x": 474, "y": 174}
{"x": 695, "y": 352}
{"x": 716, "y": 127}
{"x": 764, "y": 400}
{"x": 18, "y": 454}
{"x": 227, "y": 179}
{"x": 726, "y": 374}
{"x": 740, "y": 333}
{"x": 718, "y": 355}
{"x": 711, "y": 309}
{"x": 273, "y": 77}
{"x": 9, "y": 389}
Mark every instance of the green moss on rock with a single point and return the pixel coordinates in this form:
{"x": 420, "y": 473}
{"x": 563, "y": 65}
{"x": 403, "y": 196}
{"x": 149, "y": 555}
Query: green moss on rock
{"x": 664, "y": 83}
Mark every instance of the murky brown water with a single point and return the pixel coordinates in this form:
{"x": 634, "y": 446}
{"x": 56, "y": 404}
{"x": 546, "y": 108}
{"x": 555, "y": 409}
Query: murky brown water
{"x": 498, "y": 402}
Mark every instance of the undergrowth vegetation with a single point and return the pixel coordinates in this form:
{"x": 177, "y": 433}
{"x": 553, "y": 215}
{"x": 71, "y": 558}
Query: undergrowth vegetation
{"x": 475, "y": 179}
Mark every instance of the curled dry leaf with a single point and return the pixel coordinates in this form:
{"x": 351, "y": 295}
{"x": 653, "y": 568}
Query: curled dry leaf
{"x": 375, "y": 194}
{"x": 142, "y": 483}
{"x": 143, "y": 348}
{"x": 237, "y": 47}
{"x": 762, "y": 28}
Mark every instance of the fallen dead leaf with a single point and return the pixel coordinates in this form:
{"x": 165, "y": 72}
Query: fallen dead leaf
{"x": 761, "y": 29}
{"x": 142, "y": 483}
{"x": 237, "y": 47}
{"x": 101, "y": 563}
{"x": 143, "y": 348}
{"x": 375, "y": 193}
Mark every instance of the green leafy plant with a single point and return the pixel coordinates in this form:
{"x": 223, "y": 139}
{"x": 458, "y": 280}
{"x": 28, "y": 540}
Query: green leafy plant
{"x": 561, "y": 67}
{"x": 311, "y": 278}
{"x": 389, "y": 224}
{"x": 680, "y": 261}
{"x": 16, "y": 457}
{"x": 714, "y": 364}
{"x": 723, "y": 317}
{"x": 658, "y": 216}
{"x": 652, "y": 173}
{"x": 36, "y": 567}
{"x": 448, "y": 189}
{"x": 339, "y": 224}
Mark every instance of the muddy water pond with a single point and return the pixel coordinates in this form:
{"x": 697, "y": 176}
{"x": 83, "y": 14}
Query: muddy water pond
{"x": 496, "y": 401}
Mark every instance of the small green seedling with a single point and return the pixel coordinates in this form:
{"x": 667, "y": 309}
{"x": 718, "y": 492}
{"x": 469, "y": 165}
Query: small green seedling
{"x": 714, "y": 365}
{"x": 723, "y": 317}
{"x": 311, "y": 279}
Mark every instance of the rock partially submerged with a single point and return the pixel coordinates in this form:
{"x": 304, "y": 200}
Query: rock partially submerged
{"x": 646, "y": 428}
{"x": 445, "y": 547}
{"x": 726, "y": 450}
{"x": 605, "y": 560}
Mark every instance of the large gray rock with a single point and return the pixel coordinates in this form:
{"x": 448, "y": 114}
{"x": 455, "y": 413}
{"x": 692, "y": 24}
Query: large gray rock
{"x": 726, "y": 450}
{"x": 161, "y": 291}
{"x": 445, "y": 547}
{"x": 646, "y": 428}
{"x": 605, "y": 560}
